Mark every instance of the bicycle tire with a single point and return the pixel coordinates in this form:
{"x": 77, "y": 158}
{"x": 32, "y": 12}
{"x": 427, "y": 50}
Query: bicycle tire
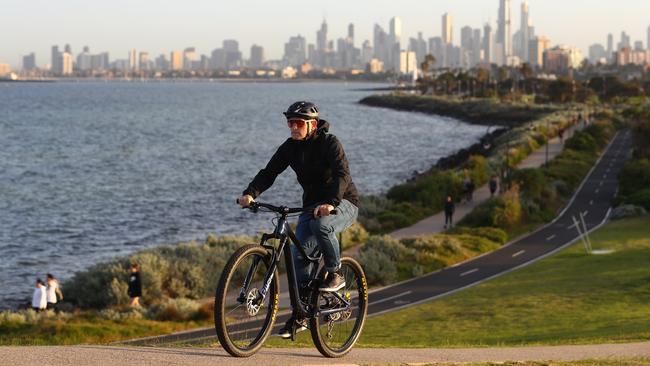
{"x": 316, "y": 323}
{"x": 223, "y": 296}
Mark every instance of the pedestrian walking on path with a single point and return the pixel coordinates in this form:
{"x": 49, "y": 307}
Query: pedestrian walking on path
{"x": 449, "y": 212}
{"x": 493, "y": 185}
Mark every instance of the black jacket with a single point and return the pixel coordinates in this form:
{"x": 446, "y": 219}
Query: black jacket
{"x": 320, "y": 165}
{"x": 135, "y": 286}
{"x": 450, "y": 207}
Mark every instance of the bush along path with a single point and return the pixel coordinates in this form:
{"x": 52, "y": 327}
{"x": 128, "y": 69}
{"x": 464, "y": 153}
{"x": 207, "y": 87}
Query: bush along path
{"x": 436, "y": 223}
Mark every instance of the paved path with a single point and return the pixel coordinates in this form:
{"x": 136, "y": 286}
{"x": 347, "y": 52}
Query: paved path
{"x": 435, "y": 224}
{"x": 592, "y": 199}
{"x": 98, "y": 355}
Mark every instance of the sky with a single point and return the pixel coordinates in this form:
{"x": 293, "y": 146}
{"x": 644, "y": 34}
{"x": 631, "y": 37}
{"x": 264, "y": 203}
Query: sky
{"x": 159, "y": 26}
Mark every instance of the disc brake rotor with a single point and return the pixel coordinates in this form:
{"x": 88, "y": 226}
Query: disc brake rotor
{"x": 252, "y": 305}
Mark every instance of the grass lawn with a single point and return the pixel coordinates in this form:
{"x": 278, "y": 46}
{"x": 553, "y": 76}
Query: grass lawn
{"x": 569, "y": 298}
{"x": 86, "y": 328}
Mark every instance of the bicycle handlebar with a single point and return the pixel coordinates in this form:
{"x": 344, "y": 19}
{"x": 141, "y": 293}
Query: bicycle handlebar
{"x": 254, "y": 206}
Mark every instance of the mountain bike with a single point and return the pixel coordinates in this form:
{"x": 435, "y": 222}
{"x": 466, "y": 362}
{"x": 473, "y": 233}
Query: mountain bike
{"x": 247, "y": 296}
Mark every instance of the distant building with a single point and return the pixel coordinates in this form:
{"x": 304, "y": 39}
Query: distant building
{"x": 447, "y": 40}
{"x": 436, "y": 50}
{"x": 536, "y": 49}
{"x": 176, "y": 60}
{"x": 55, "y": 59}
{"x": 29, "y": 62}
{"x": 597, "y": 54}
{"x": 232, "y": 56}
{"x": 375, "y": 66}
{"x": 366, "y": 52}
{"x": 133, "y": 60}
{"x": 638, "y": 46}
{"x": 503, "y": 41}
{"x": 488, "y": 43}
{"x": 84, "y": 60}
{"x": 408, "y": 63}
{"x": 143, "y": 61}
{"x": 257, "y": 56}
{"x": 295, "y": 51}
{"x": 190, "y": 59}
{"x": 561, "y": 59}
{"x": 5, "y": 69}
{"x": 627, "y": 56}
{"x": 162, "y": 63}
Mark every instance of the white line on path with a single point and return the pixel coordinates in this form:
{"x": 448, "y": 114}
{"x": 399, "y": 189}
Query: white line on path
{"x": 469, "y": 272}
{"x": 601, "y": 183}
{"x": 571, "y": 226}
{"x": 597, "y": 190}
{"x": 518, "y": 253}
{"x": 591, "y": 203}
{"x": 391, "y": 297}
{"x": 550, "y": 237}
{"x": 585, "y": 213}
{"x": 604, "y": 176}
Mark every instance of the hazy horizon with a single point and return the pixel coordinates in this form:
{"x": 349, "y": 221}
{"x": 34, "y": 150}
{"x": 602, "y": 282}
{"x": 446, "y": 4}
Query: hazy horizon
{"x": 162, "y": 26}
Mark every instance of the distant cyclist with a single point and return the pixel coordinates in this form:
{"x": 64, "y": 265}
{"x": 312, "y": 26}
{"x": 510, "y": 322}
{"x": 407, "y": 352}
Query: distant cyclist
{"x": 322, "y": 170}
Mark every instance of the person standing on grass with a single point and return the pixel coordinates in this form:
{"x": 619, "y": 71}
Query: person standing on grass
{"x": 493, "y": 185}
{"x": 135, "y": 286}
{"x": 53, "y": 292}
{"x": 449, "y": 212}
{"x": 39, "y": 299}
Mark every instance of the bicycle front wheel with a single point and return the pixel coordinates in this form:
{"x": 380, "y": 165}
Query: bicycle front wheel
{"x": 335, "y": 332}
{"x": 241, "y": 319}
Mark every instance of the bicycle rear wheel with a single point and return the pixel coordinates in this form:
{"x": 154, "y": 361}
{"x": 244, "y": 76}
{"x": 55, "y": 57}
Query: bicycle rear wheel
{"x": 242, "y": 321}
{"x": 335, "y": 334}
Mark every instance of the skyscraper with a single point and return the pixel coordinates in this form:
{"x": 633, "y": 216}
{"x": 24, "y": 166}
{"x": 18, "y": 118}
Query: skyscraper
{"x": 321, "y": 37}
{"x": 610, "y": 46}
{"x": 295, "y": 51}
{"x": 55, "y": 59}
{"x": 447, "y": 29}
{"x": 396, "y": 29}
{"x": 176, "y": 60}
{"x": 257, "y": 56}
{"x": 504, "y": 34}
{"x": 477, "y": 56}
{"x": 648, "y": 40}
{"x": 536, "y": 48}
{"x": 29, "y": 62}
{"x": 351, "y": 34}
{"x": 133, "y": 60}
{"x": 524, "y": 32}
{"x": 487, "y": 43}
{"x": 143, "y": 61}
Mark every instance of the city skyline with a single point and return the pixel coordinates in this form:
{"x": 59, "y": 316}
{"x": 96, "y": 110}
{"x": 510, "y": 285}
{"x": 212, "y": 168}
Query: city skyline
{"x": 77, "y": 29}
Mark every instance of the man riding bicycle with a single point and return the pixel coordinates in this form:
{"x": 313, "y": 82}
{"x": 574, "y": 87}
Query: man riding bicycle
{"x": 321, "y": 167}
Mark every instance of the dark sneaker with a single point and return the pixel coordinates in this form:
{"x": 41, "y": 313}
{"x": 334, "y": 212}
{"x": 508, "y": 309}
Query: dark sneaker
{"x": 285, "y": 331}
{"x": 333, "y": 282}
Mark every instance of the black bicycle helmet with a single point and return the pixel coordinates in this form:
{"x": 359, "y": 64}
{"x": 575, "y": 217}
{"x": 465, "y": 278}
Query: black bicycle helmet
{"x": 302, "y": 109}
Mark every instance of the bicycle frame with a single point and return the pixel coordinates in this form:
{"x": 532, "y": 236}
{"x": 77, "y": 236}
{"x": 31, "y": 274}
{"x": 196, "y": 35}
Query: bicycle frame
{"x": 284, "y": 233}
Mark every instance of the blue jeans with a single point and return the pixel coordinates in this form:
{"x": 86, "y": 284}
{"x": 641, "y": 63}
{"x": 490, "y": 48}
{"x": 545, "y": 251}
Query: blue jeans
{"x": 319, "y": 234}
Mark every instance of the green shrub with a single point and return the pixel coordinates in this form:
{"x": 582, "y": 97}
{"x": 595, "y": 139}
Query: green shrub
{"x": 634, "y": 176}
{"x": 581, "y": 141}
{"x": 491, "y": 233}
{"x": 354, "y": 235}
{"x": 174, "y": 310}
{"x": 508, "y": 215}
{"x": 531, "y": 182}
{"x": 378, "y": 266}
{"x": 640, "y": 198}
{"x": 481, "y": 215}
{"x": 184, "y": 270}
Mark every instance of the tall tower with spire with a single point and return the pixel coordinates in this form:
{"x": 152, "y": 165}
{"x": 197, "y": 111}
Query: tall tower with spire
{"x": 504, "y": 34}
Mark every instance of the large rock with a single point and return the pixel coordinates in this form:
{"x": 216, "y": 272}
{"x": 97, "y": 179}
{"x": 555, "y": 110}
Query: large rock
{"x": 625, "y": 211}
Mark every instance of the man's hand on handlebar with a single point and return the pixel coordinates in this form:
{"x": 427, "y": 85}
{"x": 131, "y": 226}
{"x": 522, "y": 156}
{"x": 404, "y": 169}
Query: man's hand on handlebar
{"x": 323, "y": 210}
{"x": 245, "y": 200}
